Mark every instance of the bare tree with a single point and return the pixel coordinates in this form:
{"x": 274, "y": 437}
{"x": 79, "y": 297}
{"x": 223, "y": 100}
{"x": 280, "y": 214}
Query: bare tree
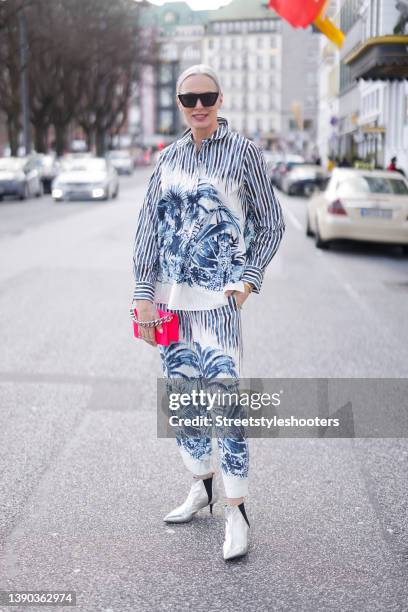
{"x": 116, "y": 50}
{"x": 85, "y": 57}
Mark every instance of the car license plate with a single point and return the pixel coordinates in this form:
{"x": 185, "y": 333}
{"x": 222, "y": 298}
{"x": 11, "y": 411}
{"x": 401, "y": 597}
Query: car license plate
{"x": 379, "y": 213}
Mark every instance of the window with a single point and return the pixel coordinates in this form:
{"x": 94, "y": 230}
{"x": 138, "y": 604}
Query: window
{"x": 166, "y": 73}
{"x": 370, "y": 184}
{"x": 166, "y": 98}
{"x": 311, "y": 79}
{"x": 345, "y": 77}
{"x": 170, "y": 17}
{"x": 349, "y": 14}
{"x": 165, "y": 121}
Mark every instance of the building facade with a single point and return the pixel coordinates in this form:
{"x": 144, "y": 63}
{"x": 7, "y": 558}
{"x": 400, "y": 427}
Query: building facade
{"x": 328, "y": 94}
{"x": 300, "y": 88}
{"x": 243, "y": 43}
{"x": 270, "y": 88}
{"x": 383, "y": 119}
{"x": 369, "y": 112}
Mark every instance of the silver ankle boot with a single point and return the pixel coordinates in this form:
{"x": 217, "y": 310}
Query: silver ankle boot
{"x": 201, "y": 494}
{"x": 236, "y": 532}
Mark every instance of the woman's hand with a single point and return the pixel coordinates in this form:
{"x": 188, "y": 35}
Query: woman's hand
{"x": 240, "y": 296}
{"x": 146, "y": 311}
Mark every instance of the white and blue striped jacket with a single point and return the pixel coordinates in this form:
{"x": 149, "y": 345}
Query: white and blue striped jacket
{"x": 209, "y": 221}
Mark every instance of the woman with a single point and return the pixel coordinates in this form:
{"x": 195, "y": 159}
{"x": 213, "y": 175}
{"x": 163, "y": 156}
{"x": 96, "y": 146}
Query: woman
{"x": 208, "y": 227}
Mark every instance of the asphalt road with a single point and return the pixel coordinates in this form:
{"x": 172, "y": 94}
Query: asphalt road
{"x": 84, "y": 480}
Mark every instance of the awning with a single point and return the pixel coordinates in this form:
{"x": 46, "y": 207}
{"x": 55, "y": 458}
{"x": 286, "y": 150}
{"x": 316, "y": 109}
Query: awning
{"x": 373, "y": 129}
{"x": 380, "y": 58}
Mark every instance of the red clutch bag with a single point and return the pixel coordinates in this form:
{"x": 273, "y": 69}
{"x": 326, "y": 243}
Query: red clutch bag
{"x": 170, "y": 327}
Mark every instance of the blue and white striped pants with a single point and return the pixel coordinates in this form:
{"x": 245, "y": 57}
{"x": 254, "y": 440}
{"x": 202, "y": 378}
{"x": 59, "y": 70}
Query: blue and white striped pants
{"x": 210, "y": 347}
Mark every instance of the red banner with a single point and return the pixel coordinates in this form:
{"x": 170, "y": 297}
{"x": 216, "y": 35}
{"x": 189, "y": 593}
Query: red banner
{"x": 299, "y": 13}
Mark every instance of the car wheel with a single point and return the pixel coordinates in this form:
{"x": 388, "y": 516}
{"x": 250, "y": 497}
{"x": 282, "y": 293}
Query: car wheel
{"x": 291, "y": 191}
{"x": 308, "y": 190}
{"x": 308, "y": 228}
{"x": 115, "y": 195}
{"x": 40, "y": 192}
{"x": 320, "y": 244}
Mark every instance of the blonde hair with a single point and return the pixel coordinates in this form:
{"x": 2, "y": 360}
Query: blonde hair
{"x": 198, "y": 69}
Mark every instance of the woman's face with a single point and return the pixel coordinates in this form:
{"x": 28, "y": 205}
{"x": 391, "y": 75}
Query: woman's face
{"x": 200, "y": 116}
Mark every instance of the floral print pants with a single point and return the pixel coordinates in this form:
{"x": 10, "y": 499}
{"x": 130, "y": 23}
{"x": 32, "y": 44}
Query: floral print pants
{"x": 210, "y": 347}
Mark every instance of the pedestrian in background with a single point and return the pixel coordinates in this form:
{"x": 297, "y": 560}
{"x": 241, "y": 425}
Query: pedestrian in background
{"x": 392, "y": 166}
{"x": 209, "y": 226}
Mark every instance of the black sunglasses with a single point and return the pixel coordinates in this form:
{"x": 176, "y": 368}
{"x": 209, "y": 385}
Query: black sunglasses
{"x": 189, "y": 100}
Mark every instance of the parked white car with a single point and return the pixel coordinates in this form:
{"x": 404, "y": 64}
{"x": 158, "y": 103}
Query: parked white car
{"x": 85, "y": 178}
{"x": 19, "y": 177}
{"x": 360, "y": 205}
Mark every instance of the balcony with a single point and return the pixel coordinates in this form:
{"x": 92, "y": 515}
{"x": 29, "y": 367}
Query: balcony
{"x": 382, "y": 58}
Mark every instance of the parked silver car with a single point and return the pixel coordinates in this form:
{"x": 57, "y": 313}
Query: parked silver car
{"x": 122, "y": 161}
{"x": 19, "y": 177}
{"x": 85, "y": 178}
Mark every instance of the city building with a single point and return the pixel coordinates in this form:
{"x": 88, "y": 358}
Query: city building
{"x": 379, "y": 64}
{"x": 349, "y": 89}
{"x": 243, "y": 42}
{"x": 328, "y": 92}
{"x": 267, "y": 69}
{"x": 179, "y": 32}
{"x": 367, "y": 116}
{"x": 300, "y": 88}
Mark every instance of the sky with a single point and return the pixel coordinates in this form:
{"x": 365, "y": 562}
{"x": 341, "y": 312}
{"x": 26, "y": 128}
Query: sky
{"x": 196, "y": 5}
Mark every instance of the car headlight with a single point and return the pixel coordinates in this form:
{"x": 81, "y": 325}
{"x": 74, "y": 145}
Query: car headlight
{"x": 98, "y": 192}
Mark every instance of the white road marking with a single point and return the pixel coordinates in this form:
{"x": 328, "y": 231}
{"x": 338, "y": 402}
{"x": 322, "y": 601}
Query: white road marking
{"x": 358, "y": 298}
{"x": 295, "y": 222}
